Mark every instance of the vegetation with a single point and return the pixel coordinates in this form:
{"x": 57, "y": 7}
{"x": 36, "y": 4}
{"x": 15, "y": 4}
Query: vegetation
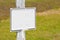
{"x": 47, "y": 26}
{"x": 41, "y": 5}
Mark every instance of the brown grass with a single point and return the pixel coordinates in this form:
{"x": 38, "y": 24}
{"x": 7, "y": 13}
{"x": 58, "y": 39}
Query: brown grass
{"x": 49, "y": 12}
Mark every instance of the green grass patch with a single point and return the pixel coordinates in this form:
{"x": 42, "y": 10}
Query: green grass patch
{"x": 47, "y": 28}
{"x": 5, "y": 33}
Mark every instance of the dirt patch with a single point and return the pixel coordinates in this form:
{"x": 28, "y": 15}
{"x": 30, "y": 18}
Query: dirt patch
{"x": 49, "y": 12}
{"x": 56, "y": 36}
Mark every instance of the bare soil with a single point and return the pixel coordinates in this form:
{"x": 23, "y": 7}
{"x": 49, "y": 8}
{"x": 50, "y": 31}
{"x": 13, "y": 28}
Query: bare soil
{"x": 49, "y": 12}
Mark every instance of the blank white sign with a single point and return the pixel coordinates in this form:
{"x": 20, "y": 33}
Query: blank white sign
{"x": 22, "y": 19}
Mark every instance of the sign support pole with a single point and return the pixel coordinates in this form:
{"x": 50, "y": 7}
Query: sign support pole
{"x": 20, "y": 3}
{"x": 20, "y": 33}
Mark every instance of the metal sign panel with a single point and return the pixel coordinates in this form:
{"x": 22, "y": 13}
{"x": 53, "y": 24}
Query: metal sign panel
{"x": 22, "y": 18}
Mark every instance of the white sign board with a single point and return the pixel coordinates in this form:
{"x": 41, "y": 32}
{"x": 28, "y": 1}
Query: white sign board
{"x": 22, "y": 18}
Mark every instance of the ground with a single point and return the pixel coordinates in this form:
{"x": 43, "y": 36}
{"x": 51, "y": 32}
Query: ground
{"x": 47, "y": 20}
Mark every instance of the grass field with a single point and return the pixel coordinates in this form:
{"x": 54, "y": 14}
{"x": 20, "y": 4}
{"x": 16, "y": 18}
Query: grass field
{"x": 47, "y": 26}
